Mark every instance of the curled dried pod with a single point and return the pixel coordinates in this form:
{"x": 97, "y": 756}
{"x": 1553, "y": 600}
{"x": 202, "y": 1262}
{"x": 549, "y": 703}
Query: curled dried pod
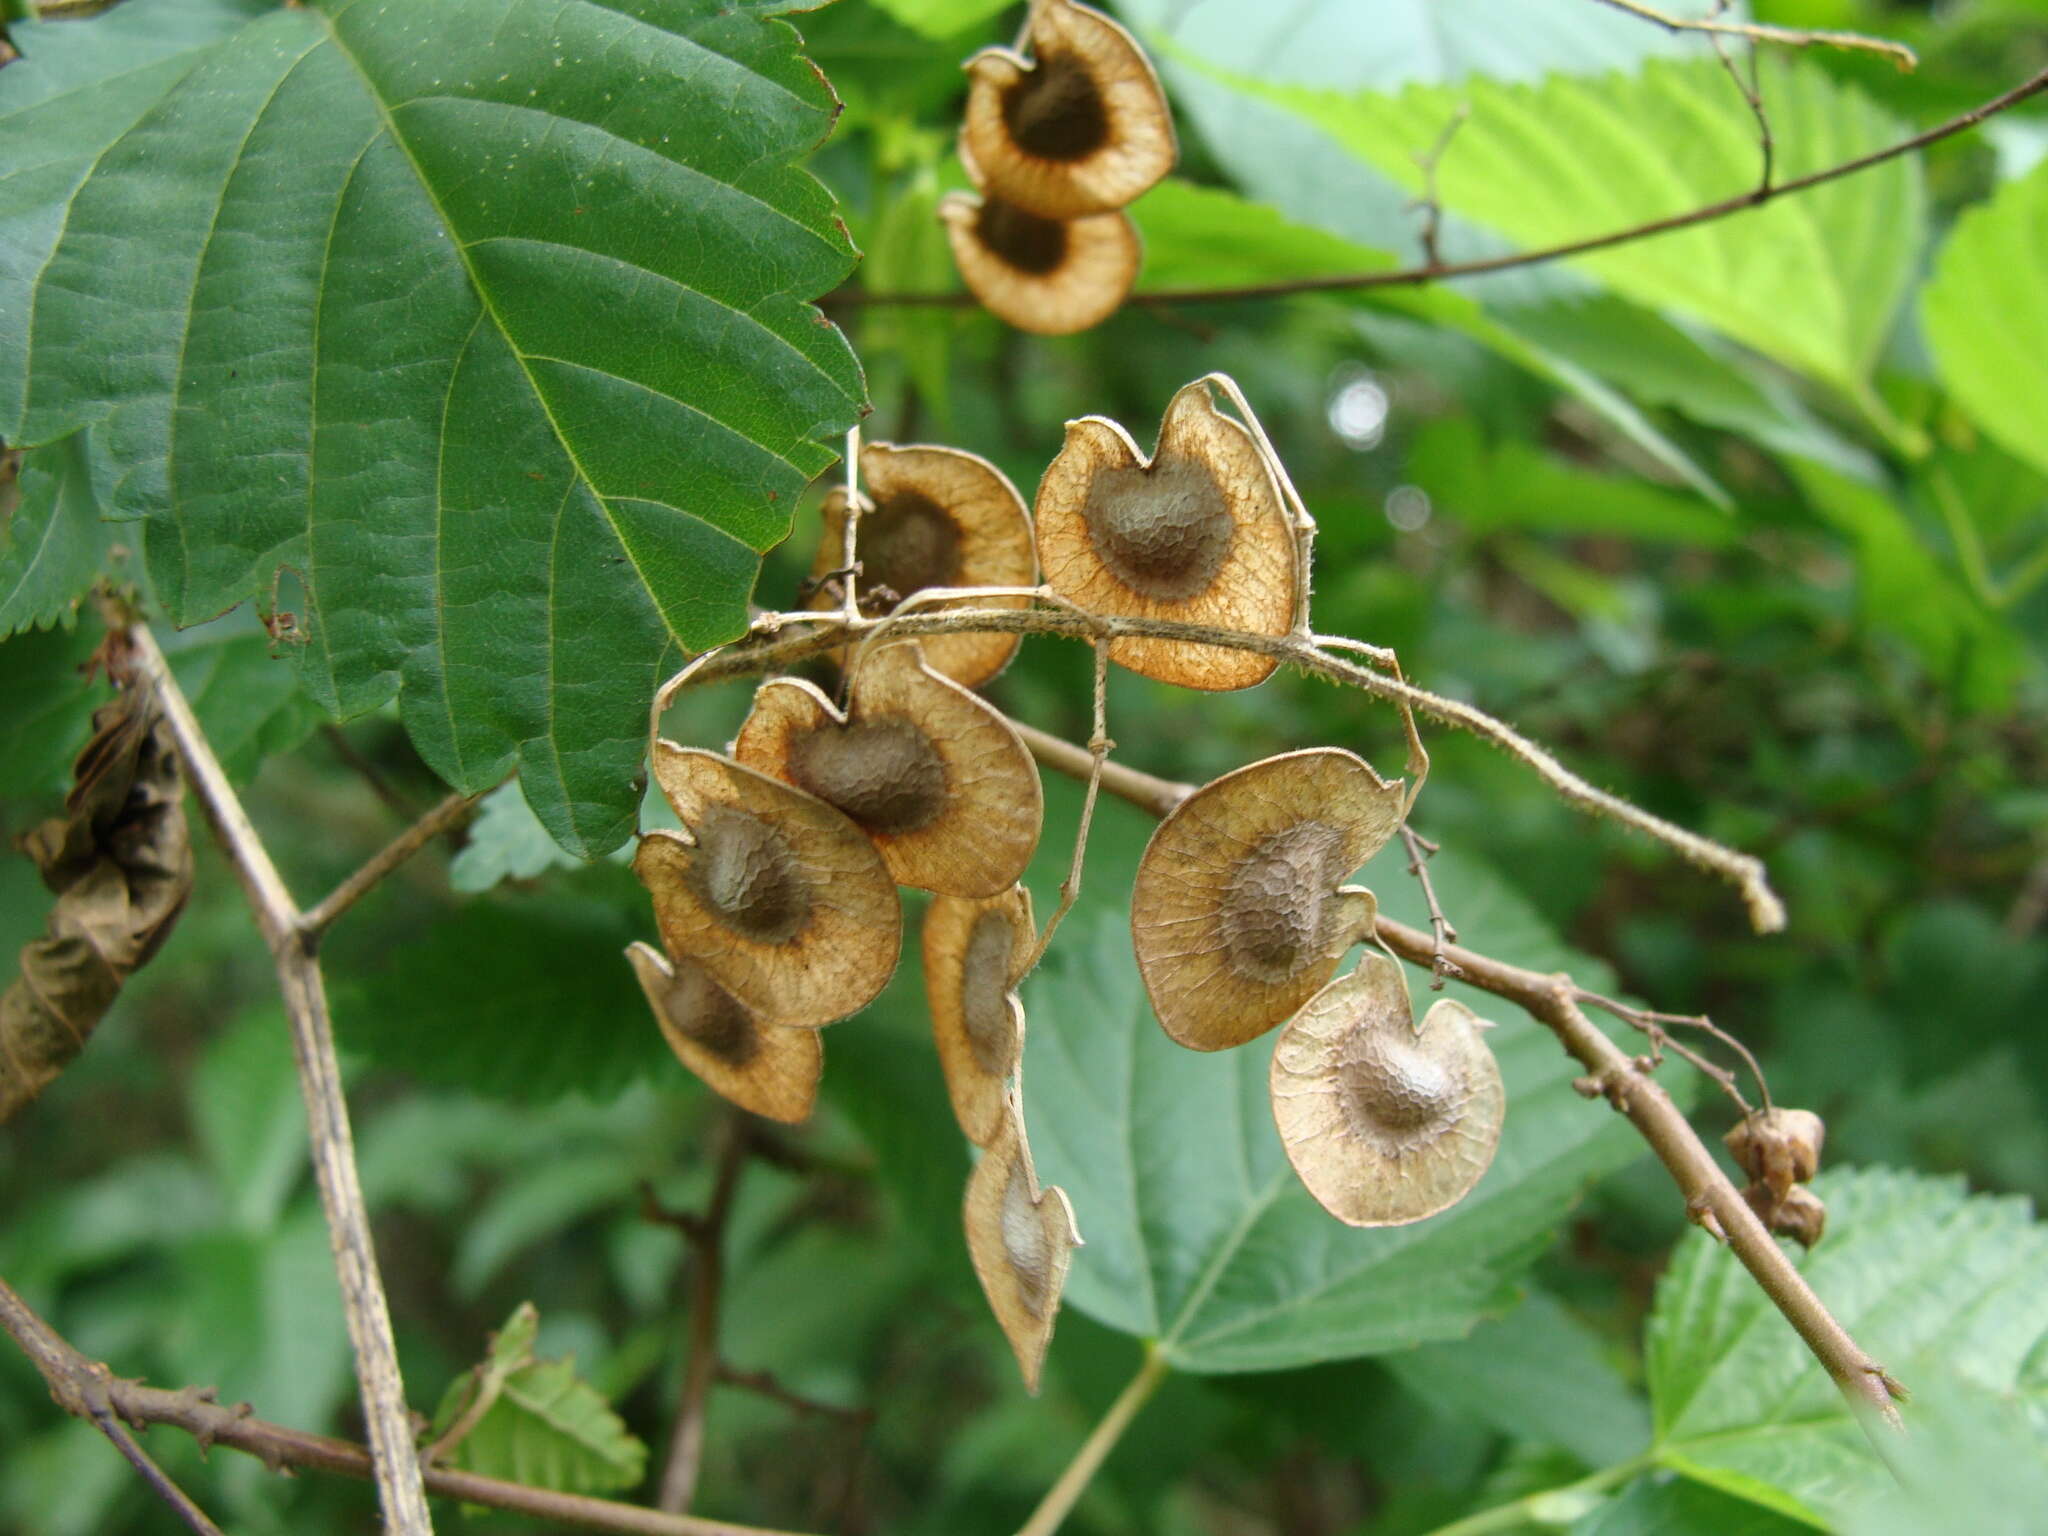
{"x": 1021, "y": 1239}
{"x": 974, "y": 955}
{"x": 1197, "y": 534}
{"x": 933, "y": 773}
{"x": 1385, "y": 1121}
{"x": 1799, "y": 1213}
{"x": 770, "y": 1069}
{"x": 1777, "y": 1148}
{"x": 777, "y": 895}
{"x": 1052, "y": 277}
{"x": 1080, "y": 127}
{"x": 1239, "y": 912}
{"x": 940, "y": 518}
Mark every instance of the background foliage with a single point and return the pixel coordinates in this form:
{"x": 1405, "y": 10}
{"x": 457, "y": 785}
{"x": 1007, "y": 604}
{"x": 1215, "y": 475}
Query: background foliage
{"x": 1749, "y": 522}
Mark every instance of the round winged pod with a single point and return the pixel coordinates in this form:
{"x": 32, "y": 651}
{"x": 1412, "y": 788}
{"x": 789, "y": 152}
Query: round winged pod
{"x": 1239, "y": 912}
{"x": 770, "y": 1069}
{"x": 935, "y": 775}
{"x": 1049, "y": 276}
{"x": 941, "y": 518}
{"x": 1021, "y": 1239}
{"x": 1081, "y": 127}
{"x": 1385, "y": 1121}
{"x": 1197, "y": 534}
{"x": 974, "y": 954}
{"x": 777, "y": 895}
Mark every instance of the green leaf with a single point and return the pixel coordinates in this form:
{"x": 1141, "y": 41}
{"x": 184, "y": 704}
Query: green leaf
{"x": 248, "y": 1117}
{"x": 1811, "y": 280}
{"x": 484, "y": 320}
{"x": 46, "y": 705}
{"x": 1987, "y": 317}
{"x": 54, "y": 546}
{"x": 1930, "y": 1280}
{"x": 942, "y": 18}
{"x": 542, "y": 1426}
{"x": 1197, "y": 1232}
{"x": 247, "y": 695}
{"x": 1973, "y": 1463}
{"x": 1675, "y": 1507}
{"x": 505, "y": 842}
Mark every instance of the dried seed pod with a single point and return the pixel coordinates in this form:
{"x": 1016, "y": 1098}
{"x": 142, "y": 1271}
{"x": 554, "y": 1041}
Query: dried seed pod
{"x": 1239, "y": 912}
{"x": 770, "y": 1069}
{"x": 779, "y": 896}
{"x": 941, "y": 518}
{"x": 1047, "y": 276}
{"x": 1777, "y": 1148}
{"x": 1197, "y": 534}
{"x": 974, "y": 954}
{"x": 1081, "y": 127}
{"x": 1799, "y": 1213}
{"x": 936, "y": 776}
{"x": 1385, "y": 1122}
{"x": 1021, "y": 1239}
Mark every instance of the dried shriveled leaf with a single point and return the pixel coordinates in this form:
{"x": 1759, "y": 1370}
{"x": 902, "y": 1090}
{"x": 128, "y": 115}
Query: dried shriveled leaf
{"x": 120, "y": 861}
{"x": 941, "y": 518}
{"x": 1237, "y": 912}
{"x": 1385, "y": 1121}
{"x": 1047, "y": 276}
{"x": 1197, "y": 534}
{"x": 1081, "y": 127}
{"x": 937, "y": 777}
{"x": 770, "y": 1069}
{"x": 775, "y": 893}
{"x": 1021, "y": 1239}
{"x": 974, "y": 955}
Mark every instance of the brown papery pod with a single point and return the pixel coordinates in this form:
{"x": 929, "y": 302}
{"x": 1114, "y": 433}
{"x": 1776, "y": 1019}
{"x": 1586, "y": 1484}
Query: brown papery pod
{"x": 1021, "y": 1239}
{"x": 777, "y": 895}
{"x": 1197, "y": 534}
{"x": 1240, "y": 911}
{"x": 1081, "y": 127}
{"x": 974, "y": 955}
{"x": 770, "y": 1069}
{"x": 936, "y": 776}
{"x": 1386, "y": 1122}
{"x": 120, "y": 862}
{"x": 940, "y": 518}
{"x": 1051, "y": 277}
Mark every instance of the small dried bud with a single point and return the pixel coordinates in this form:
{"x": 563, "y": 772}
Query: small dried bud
{"x": 1800, "y": 1214}
{"x": 1778, "y": 1148}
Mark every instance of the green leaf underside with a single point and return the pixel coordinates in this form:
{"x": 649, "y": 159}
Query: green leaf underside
{"x": 1928, "y": 1279}
{"x": 1986, "y": 311}
{"x": 482, "y": 321}
{"x": 1811, "y": 280}
{"x": 1197, "y": 1231}
{"x": 54, "y": 546}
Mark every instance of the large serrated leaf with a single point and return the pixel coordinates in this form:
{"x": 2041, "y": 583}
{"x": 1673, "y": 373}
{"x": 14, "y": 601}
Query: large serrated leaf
{"x": 473, "y": 329}
{"x": 1927, "y": 1278}
{"x": 1197, "y": 1232}
{"x": 53, "y": 545}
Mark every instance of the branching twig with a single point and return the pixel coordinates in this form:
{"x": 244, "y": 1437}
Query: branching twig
{"x": 1752, "y": 93}
{"x": 1436, "y": 272}
{"x": 1763, "y": 32}
{"x": 706, "y": 1235}
{"x": 1657, "y": 1027}
{"x": 1554, "y": 1001}
{"x": 1430, "y": 203}
{"x": 317, "y": 919}
{"x": 211, "y": 1423}
{"x": 1420, "y": 849}
{"x": 1099, "y": 746}
{"x": 333, "y": 1147}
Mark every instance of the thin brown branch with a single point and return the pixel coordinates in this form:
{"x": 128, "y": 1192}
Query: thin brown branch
{"x": 1658, "y": 1026}
{"x": 399, "y": 1489}
{"x": 1763, "y": 32}
{"x": 211, "y": 1423}
{"x": 1419, "y": 850}
{"x": 705, "y": 1233}
{"x": 1430, "y": 203}
{"x": 1710, "y": 1196}
{"x": 1437, "y": 272}
{"x": 767, "y": 1384}
{"x": 449, "y": 813}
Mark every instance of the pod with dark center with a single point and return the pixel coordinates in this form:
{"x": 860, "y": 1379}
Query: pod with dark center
{"x": 936, "y": 776}
{"x": 1197, "y": 534}
{"x": 939, "y": 518}
{"x": 1240, "y": 911}
{"x": 1385, "y": 1121}
{"x": 770, "y": 1069}
{"x": 1021, "y": 1239}
{"x": 1052, "y": 277}
{"x": 1081, "y": 127}
{"x": 777, "y": 895}
{"x": 974, "y": 956}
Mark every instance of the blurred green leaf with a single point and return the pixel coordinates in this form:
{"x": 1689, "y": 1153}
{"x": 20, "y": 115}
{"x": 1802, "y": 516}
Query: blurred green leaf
{"x": 46, "y": 705}
{"x": 942, "y": 18}
{"x": 1975, "y": 1461}
{"x": 250, "y": 699}
{"x": 54, "y": 546}
{"x": 1668, "y": 1506}
{"x": 505, "y": 841}
{"x": 249, "y": 1118}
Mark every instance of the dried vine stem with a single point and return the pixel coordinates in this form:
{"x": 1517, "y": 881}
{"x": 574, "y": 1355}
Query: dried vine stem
{"x": 451, "y": 812}
{"x": 71, "y": 1375}
{"x": 397, "y": 1467}
{"x": 1554, "y": 1001}
{"x": 705, "y": 1234}
{"x": 779, "y": 641}
{"x": 1763, "y": 32}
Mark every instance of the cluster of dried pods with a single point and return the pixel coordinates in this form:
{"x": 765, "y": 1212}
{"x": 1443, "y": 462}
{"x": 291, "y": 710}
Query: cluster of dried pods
{"x": 777, "y": 904}
{"x": 1057, "y": 143}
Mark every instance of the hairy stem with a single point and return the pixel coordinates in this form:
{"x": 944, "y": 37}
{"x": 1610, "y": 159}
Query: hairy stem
{"x": 1073, "y": 1482}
